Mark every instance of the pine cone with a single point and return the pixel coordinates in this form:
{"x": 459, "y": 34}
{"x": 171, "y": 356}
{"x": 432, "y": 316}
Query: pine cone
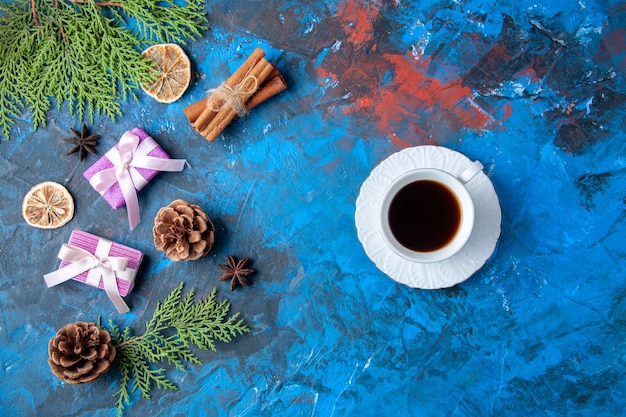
{"x": 80, "y": 352}
{"x": 183, "y": 231}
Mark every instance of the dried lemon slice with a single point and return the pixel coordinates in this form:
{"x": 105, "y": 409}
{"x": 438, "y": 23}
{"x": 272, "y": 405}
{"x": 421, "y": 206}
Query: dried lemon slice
{"x": 174, "y": 72}
{"x": 48, "y": 205}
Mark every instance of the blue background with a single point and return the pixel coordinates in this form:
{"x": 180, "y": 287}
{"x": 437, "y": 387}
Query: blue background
{"x": 533, "y": 91}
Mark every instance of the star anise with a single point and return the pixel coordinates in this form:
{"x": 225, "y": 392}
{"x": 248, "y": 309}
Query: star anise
{"x": 236, "y": 272}
{"x": 83, "y": 141}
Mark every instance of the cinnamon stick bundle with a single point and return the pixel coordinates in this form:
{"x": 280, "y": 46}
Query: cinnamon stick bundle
{"x": 255, "y": 81}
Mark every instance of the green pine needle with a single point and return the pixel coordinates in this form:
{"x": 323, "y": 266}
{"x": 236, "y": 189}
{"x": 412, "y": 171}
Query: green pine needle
{"x": 85, "y": 53}
{"x": 177, "y": 324}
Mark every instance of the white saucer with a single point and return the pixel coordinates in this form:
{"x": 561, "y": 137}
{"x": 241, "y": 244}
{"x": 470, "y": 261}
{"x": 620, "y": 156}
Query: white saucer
{"x": 451, "y": 271}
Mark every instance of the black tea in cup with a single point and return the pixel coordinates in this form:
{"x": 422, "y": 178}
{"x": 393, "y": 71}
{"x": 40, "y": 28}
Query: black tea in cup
{"x": 424, "y": 216}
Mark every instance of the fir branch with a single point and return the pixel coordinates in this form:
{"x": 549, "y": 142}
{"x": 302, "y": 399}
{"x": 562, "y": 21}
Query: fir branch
{"x": 177, "y": 324}
{"x": 85, "y": 53}
{"x": 122, "y": 395}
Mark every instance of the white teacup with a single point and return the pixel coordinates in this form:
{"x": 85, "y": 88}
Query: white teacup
{"x": 427, "y": 215}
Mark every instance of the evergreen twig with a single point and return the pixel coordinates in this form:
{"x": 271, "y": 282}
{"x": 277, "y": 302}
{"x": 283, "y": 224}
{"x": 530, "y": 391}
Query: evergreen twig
{"x": 85, "y": 53}
{"x": 176, "y": 325}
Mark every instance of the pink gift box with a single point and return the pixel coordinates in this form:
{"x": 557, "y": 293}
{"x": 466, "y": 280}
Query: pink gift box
{"x": 114, "y": 194}
{"x": 89, "y": 242}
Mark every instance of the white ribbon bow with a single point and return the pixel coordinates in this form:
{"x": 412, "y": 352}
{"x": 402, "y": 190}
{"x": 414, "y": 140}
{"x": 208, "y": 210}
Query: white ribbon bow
{"x": 131, "y": 155}
{"x": 107, "y": 268}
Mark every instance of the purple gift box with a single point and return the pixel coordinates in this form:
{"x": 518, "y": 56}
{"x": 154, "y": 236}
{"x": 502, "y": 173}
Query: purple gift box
{"x": 125, "y": 279}
{"x": 113, "y": 195}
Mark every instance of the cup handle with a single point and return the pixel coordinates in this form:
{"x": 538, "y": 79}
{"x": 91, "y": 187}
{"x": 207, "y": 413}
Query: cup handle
{"x": 470, "y": 172}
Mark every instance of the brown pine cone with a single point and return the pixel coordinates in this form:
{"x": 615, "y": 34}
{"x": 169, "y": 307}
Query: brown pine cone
{"x": 183, "y": 231}
{"x": 80, "y": 352}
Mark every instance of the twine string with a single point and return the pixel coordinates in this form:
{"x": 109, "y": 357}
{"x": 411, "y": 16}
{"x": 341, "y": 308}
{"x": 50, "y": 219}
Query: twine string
{"x": 233, "y": 96}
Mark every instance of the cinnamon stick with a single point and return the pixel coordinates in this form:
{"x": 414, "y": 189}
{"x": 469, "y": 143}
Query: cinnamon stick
{"x": 213, "y": 129}
{"x": 275, "y": 84}
{"x": 211, "y": 115}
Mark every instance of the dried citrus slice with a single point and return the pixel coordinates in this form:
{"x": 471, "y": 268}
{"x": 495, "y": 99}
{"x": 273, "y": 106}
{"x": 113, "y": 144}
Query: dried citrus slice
{"x": 174, "y": 72}
{"x": 48, "y": 205}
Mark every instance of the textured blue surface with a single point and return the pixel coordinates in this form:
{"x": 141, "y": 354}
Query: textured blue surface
{"x": 534, "y": 91}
